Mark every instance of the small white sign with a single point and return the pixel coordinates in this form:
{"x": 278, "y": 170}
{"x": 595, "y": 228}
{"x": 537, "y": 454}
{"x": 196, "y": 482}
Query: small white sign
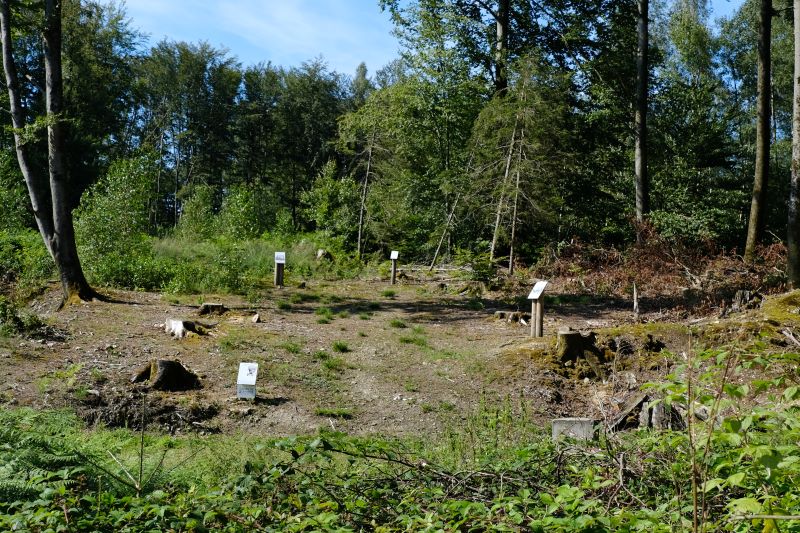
{"x": 280, "y": 258}
{"x": 246, "y": 382}
{"x": 394, "y": 255}
{"x": 537, "y": 291}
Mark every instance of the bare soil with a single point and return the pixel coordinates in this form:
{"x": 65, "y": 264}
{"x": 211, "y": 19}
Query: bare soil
{"x": 347, "y": 355}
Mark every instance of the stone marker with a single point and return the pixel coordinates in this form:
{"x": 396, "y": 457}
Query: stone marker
{"x": 576, "y": 428}
{"x": 246, "y": 382}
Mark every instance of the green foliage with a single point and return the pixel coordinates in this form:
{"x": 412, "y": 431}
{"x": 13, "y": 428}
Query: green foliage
{"x": 24, "y": 260}
{"x": 332, "y": 203}
{"x": 341, "y": 347}
{"x": 112, "y": 227}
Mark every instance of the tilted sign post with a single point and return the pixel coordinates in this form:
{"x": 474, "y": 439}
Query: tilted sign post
{"x": 394, "y": 255}
{"x": 246, "y": 382}
{"x": 280, "y": 262}
{"x": 537, "y": 308}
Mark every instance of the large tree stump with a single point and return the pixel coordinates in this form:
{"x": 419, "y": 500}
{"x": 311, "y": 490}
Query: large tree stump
{"x": 212, "y": 309}
{"x": 167, "y": 375}
{"x": 181, "y": 328}
{"x": 574, "y": 345}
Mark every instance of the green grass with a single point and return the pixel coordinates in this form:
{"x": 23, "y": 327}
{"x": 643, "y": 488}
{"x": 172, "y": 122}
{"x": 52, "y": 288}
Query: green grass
{"x": 291, "y": 347}
{"x": 364, "y": 316}
{"x": 337, "y": 364}
{"x": 389, "y": 293}
{"x": 413, "y": 339}
{"x": 303, "y": 297}
{"x": 334, "y": 412}
{"x": 321, "y": 355}
{"x": 341, "y": 347}
{"x": 283, "y": 305}
{"x": 397, "y": 323}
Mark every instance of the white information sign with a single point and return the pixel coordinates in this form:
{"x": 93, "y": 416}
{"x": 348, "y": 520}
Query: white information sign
{"x": 394, "y": 255}
{"x": 280, "y": 258}
{"x": 246, "y": 382}
{"x": 537, "y": 291}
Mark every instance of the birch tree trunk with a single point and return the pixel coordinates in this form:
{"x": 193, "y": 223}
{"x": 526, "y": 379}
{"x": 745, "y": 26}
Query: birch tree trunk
{"x": 501, "y": 201}
{"x": 758, "y": 202}
{"x": 793, "y": 241}
{"x": 49, "y": 194}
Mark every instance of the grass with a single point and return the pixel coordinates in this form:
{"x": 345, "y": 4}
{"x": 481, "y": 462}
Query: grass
{"x": 389, "y": 293}
{"x": 303, "y": 297}
{"x": 397, "y": 323}
{"x": 335, "y": 412}
{"x": 337, "y": 364}
{"x": 321, "y": 355}
{"x": 364, "y": 316}
{"x": 341, "y": 347}
{"x": 413, "y": 339}
{"x": 283, "y": 305}
{"x": 291, "y": 347}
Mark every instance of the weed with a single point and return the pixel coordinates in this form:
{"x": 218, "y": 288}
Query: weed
{"x": 419, "y": 330}
{"x": 334, "y": 412}
{"x": 427, "y": 408}
{"x": 397, "y": 323}
{"x": 373, "y": 306}
{"x": 303, "y": 297}
{"x": 323, "y": 320}
{"x": 324, "y": 312}
{"x": 291, "y": 347}
{"x": 410, "y": 386}
{"x": 337, "y": 364}
{"x": 474, "y": 304}
{"x": 389, "y": 293}
{"x": 321, "y": 355}
{"x": 344, "y": 314}
{"x": 414, "y": 339}
{"x": 364, "y": 316}
{"x": 283, "y": 305}
{"x": 340, "y": 347}
{"x": 446, "y": 406}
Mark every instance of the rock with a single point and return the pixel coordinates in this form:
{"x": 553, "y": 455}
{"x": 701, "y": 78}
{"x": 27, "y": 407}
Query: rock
{"x": 577, "y": 428}
{"x": 256, "y": 318}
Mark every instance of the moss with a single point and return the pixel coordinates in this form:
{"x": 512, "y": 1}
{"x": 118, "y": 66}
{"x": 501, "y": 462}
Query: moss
{"x": 783, "y": 309}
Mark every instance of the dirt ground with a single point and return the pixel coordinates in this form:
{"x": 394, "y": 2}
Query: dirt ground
{"x": 356, "y": 356}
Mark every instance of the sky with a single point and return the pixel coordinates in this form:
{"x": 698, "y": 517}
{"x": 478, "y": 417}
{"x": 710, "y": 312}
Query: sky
{"x": 287, "y": 32}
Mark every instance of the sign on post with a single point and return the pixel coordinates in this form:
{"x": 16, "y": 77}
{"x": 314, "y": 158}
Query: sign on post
{"x": 393, "y": 256}
{"x": 246, "y": 382}
{"x": 537, "y": 308}
{"x": 280, "y": 262}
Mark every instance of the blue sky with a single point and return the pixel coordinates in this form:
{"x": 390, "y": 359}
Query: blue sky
{"x": 288, "y": 32}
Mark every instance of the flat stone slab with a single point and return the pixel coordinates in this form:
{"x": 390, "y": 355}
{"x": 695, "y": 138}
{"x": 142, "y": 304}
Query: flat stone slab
{"x": 576, "y": 428}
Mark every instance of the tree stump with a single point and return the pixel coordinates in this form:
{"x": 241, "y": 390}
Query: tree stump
{"x": 181, "y": 328}
{"x": 167, "y": 375}
{"x": 574, "y": 345}
{"x": 212, "y": 309}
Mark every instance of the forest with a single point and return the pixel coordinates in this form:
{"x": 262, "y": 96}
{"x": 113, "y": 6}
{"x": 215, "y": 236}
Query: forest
{"x": 640, "y": 157}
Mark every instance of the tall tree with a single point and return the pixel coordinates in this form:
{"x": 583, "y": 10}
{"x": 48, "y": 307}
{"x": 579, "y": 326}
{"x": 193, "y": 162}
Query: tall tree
{"x": 763, "y": 131}
{"x": 640, "y": 163}
{"x": 794, "y": 193}
{"x": 49, "y": 195}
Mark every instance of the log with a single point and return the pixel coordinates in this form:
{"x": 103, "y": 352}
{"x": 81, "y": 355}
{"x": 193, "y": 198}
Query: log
{"x": 167, "y": 375}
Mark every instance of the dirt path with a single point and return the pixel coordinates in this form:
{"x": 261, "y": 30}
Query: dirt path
{"x": 354, "y": 356}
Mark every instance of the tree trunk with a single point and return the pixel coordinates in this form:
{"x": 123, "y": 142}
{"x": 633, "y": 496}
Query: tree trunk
{"x": 758, "y": 203}
{"x": 363, "y": 208}
{"x": 794, "y": 193}
{"x": 501, "y": 201}
{"x": 501, "y": 47}
{"x": 640, "y": 120}
{"x": 50, "y": 203}
{"x": 514, "y": 211}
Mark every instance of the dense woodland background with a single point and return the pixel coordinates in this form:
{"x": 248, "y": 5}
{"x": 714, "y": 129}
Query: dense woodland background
{"x": 176, "y": 151}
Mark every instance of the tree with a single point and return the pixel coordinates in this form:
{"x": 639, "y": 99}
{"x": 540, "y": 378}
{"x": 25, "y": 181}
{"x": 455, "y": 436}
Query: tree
{"x": 49, "y": 197}
{"x": 640, "y": 163}
{"x": 793, "y": 243}
{"x": 763, "y": 130}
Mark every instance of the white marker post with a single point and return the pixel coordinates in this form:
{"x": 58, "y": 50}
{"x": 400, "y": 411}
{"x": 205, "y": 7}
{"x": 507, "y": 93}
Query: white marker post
{"x": 537, "y": 309}
{"x": 393, "y": 256}
{"x": 246, "y": 382}
{"x": 280, "y": 262}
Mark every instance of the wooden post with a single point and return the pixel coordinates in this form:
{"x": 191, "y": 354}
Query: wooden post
{"x": 280, "y": 262}
{"x": 539, "y": 304}
{"x": 537, "y": 308}
{"x": 394, "y": 257}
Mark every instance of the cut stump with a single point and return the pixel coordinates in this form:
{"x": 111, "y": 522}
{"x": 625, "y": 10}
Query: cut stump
{"x": 212, "y": 309}
{"x": 167, "y": 375}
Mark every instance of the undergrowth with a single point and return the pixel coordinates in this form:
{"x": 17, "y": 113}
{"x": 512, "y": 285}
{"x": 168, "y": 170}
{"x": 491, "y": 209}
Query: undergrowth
{"x": 733, "y": 469}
